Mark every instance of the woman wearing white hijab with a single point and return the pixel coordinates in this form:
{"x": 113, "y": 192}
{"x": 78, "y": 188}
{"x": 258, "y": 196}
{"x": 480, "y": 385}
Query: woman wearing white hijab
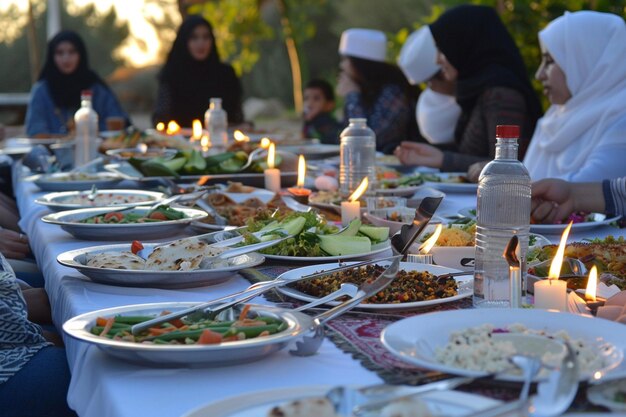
{"x": 582, "y": 136}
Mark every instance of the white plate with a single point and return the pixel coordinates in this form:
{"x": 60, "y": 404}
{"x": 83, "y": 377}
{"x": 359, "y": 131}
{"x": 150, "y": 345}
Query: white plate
{"x": 129, "y": 231}
{"x": 465, "y": 285}
{"x": 154, "y": 279}
{"x": 559, "y": 228}
{"x": 400, "y": 191}
{"x": 376, "y": 249}
{"x": 451, "y": 187}
{"x": 401, "y": 338}
{"x": 58, "y": 201}
{"x": 258, "y": 404}
{"x": 184, "y": 356}
{"x": 60, "y": 181}
{"x": 312, "y": 151}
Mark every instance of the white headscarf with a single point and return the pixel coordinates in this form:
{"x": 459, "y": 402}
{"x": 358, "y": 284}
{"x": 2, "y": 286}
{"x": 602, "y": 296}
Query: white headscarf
{"x": 437, "y": 115}
{"x": 590, "y": 48}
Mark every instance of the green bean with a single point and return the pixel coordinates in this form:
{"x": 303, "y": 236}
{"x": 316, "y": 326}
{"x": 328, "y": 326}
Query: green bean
{"x": 252, "y": 331}
{"x": 192, "y": 334}
{"x": 132, "y": 319}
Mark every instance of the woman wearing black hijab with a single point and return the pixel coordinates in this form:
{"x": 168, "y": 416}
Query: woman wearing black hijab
{"x": 56, "y": 96}
{"x": 492, "y": 88}
{"x": 193, "y": 74}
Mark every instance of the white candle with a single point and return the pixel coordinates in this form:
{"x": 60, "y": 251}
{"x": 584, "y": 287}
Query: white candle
{"x": 272, "y": 175}
{"x": 272, "y": 179}
{"x": 551, "y": 294}
{"x": 350, "y": 210}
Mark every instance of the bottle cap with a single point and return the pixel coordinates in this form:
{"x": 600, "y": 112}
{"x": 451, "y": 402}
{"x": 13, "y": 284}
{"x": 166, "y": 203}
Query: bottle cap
{"x": 507, "y": 131}
{"x": 86, "y": 93}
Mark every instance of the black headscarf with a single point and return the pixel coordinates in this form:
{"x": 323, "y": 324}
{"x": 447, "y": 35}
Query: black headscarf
{"x": 477, "y": 44}
{"x": 192, "y": 83}
{"x": 65, "y": 88}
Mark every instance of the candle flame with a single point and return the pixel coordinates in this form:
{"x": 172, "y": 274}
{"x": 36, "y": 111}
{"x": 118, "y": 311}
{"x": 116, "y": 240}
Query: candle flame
{"x": 160, "y": 126}
{"x": 430, "y": 242}
{"x": 271, "y": 154}
{"x": 172, "y": 128}
{"x": 240, "y": 137}
{"x": 555, "y": 266}
{"x": 301, "y": 171}
{"x": 359, "y": 190}
{"x": 196, "y": 128}
{"x": 203, "y": 179}
{"x": 265, "y": 143}
{"x": 592, "y": 284}
{"x": 142, "y": 147}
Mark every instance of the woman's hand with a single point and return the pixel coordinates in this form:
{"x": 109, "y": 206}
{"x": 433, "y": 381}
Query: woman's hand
{"x": 552, "y": 200}
{"x": 412, "y": 153}
{"x": 346, "y": 85}
{"x": 13, "y": 245}
{"x": 473, "y": 173}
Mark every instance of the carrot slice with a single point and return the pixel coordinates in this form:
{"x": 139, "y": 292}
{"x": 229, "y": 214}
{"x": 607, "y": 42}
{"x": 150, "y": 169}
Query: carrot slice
{"x": 107, "y": 326}
{"x": 101, "y": 321}
{"x": 244, "y": 312}
{"x": 209, "y": 337}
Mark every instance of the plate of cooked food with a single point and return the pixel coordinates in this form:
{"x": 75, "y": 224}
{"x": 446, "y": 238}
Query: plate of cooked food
{"x": 190, "y": 341}
{"x": 480, "y": 341}
{"x": 450, "y": 182}
{"x": 582, "y": 221}
{"x": 69, "y": 200}
{"x": 417, "y": 285}
{"x": 124, "y": 224}
{"x": 75, "y": 181}
{"x": 181, "y": 263}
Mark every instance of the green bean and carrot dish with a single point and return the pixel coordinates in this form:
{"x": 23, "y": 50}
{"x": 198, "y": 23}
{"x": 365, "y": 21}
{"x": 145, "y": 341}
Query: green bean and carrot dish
{"x": 188, "y": 331}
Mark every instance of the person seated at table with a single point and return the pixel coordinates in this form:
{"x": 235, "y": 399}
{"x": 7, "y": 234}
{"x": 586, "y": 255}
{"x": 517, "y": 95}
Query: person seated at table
{"x": 437, "y": 111}
{"x": 56, "y": 96}
{"x": 193, "y": 74}
{"x": 554, "y": 199}
{"x": 492, "y": 88}
{"x": 583, "y": 72}
{"x": 319, "y": 103}
{"x": 35, "y": 377}
{"x": 375, "y": 89}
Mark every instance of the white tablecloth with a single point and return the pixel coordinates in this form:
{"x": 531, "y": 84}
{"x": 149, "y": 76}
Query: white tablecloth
{"x": 102, "y": 386}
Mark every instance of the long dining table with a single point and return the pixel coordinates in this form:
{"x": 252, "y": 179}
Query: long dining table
{"x": 103, "y": 386}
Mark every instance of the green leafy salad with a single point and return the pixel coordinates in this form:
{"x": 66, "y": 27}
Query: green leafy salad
{"x": 313, "y": 236}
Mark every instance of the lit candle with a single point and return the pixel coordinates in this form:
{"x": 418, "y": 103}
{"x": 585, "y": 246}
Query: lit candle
{"x": 593, "y": 301}
{"x": 551, "y": 293}
{"x": 196, "y": 129}
{"x": 265, "y": 143}
{"x": 160, "y": 127}
{"x": 272, "y": 175}
{"x": 240, "y": 137}
{"x": 424, "y": 257}
{"x": 205, "y": 142}
{"x": 351, "y": 209}
{"x": 172, "y": 128}
{"x": 300, "y": 193}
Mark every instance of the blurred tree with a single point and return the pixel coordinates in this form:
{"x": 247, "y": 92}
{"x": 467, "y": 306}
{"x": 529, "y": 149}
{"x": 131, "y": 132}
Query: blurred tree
{"x": 102, "y": 34}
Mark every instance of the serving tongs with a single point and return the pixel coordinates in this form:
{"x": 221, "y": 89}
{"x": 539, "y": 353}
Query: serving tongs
{"x": 403, "y": 239}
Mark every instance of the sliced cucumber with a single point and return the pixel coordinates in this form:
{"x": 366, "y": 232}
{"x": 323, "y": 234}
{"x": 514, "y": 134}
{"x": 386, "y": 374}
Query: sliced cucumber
{"x": 352, "y": 229}
{"x": 377, "y": 234}
{"x": 338, "y": 245}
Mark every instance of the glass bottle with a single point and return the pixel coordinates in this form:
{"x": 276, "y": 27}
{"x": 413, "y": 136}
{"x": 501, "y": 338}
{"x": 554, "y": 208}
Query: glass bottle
{"x": 503, "y": 209}
{"x": 357, "y": 157}
{"x": 216, "y": 123}
{"x": 86, "y": 134}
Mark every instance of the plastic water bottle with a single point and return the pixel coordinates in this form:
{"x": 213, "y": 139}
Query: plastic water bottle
{"x": 503, "y": 209}
{"x": 86, "y": 123}
{"x": 216, "y": 123}
{"x": 357, "y": 157}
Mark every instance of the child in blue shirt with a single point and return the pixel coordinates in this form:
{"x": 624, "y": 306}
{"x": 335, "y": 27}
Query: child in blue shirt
{"x": 319, "y": 103}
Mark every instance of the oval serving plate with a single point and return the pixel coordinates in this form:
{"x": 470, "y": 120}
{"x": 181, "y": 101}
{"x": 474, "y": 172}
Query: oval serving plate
{"x": 165, "y": 355}
{"x": 447, "y": 185}
{"x": 60, "y": 201}
{"x": 415, "y": 339}
{"x": 121, "y": 231}
{"x": 464, "y": 285}
{"x": 154, "y": 279}
{"x": 65, "y": 181}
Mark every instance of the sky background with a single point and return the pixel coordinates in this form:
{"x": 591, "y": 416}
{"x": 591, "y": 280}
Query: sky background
{"x": 132, "y": 11}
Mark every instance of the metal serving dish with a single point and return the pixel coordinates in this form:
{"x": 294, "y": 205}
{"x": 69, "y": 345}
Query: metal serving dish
{"x": 229, "y": 353}
{"x": 127, "y": 153}
{"x": 154, "y": 279}
{"x": 66, "y": 181}
{"x": 58, "y": 201}
{"x": 130, "y": 231}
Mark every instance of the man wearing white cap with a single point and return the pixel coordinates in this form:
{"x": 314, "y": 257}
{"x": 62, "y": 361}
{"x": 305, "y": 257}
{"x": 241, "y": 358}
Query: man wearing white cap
{"x": 437, "y": 112}
{"x": 375, "y": 89}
